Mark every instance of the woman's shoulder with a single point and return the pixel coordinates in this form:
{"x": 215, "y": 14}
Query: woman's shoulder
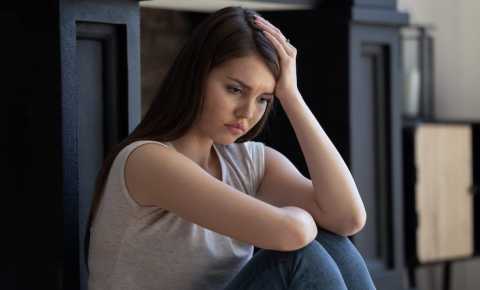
{"x": 146, "y": 146}
{"x": 133, "y": 146}
{"x": 137, "y": 143}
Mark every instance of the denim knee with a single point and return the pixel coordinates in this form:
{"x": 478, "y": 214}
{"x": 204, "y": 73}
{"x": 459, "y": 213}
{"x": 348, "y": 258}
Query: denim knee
{"x": 307, "y": 268}
{"x": 348, "y": 259}
{"x": 309, "y": 248}
{"x": 339, "y": 247}
{"x": 312, "y": 267}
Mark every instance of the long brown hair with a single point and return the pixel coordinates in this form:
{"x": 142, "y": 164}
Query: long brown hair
{"x": 223, "y": 35}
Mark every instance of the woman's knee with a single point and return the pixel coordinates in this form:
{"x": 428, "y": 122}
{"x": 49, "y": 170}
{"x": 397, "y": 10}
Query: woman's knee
{"x": 314, "y": 253}
{"x": 324, "y": 234}
{"x": 337, "y": 244}
{"x": 348, "y": 259}
{"x": 309, "y": 267}
{"x": 315, "y": 262}
{"x": 313, "y": 246}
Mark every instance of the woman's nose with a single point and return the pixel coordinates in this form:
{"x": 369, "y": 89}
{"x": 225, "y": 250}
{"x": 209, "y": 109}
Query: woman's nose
{"x": 246, "y": 110}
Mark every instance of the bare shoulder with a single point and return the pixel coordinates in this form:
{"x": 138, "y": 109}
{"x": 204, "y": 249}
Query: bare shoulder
{"x": 142, "y": 162}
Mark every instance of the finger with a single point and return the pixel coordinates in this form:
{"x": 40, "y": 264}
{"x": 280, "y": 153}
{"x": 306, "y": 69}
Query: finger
{"x": 268, "y": 23}
{"x": 271, "y": 27}
{"x": 276, "y": 43}
{"x": 290, "y": 49}
{"x": 281, "y": 38}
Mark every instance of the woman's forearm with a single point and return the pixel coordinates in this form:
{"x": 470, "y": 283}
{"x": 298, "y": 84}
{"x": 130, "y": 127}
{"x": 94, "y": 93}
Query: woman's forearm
{"x": 335, "y": 190}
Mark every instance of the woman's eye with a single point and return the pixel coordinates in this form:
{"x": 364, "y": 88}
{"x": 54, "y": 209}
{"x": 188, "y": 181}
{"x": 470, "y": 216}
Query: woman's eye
{"x": 234, "y": 90}
{"x": 265, "y": 100}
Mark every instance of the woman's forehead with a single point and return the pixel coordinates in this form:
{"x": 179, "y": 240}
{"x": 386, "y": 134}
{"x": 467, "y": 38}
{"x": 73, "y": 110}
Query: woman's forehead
{"x": 251, "y": 70}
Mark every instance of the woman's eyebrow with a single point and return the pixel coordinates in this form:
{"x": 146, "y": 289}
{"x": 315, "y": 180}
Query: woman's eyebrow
{"x": 243, "y": 84}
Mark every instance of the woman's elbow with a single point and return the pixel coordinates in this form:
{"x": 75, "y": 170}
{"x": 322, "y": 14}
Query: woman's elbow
{"x": 358, "y": 223}
{"x": 352, "y": 226}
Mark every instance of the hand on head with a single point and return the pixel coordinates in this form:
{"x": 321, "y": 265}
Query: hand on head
{"x": 287, "y": 84}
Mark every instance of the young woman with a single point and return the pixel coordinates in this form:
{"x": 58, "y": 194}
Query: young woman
{"x": 182, "y": 201}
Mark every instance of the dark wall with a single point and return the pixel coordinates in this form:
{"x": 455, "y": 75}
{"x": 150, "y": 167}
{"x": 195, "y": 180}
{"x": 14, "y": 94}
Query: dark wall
{"x": 31, "y": 214}
{"x": 163, "y": 33}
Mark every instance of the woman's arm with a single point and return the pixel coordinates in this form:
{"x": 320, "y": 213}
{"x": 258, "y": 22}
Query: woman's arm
{"x": 335, "y": 190}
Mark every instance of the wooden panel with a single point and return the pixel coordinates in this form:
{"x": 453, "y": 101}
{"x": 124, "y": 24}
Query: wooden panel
{"x": 370, "y": 167}
{"x": 90, "y": 130}
{"x": 375, "y": 150}
{"x": 476, "y": 188}
{"x": 102, "y": 103}
{"x": 444, "y": 203}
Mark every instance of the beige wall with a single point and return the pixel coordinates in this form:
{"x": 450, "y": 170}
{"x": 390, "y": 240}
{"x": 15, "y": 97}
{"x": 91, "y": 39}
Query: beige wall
{"x": 457, "y": 53}
{"x": 457, "y": 96}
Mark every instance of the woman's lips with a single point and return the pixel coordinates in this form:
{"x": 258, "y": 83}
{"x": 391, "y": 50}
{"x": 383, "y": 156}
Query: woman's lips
{"x": 234, "y": 130}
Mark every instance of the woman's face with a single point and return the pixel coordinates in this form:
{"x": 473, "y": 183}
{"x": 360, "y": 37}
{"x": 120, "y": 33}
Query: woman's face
{"x": 236, "y": 92}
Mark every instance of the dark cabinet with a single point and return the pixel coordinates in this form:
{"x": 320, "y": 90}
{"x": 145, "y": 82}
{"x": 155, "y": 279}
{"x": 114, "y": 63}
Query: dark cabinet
{"x": 73, "y": 90}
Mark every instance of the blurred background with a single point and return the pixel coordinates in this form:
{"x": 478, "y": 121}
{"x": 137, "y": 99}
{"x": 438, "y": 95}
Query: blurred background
{"x": 394, "y": 83}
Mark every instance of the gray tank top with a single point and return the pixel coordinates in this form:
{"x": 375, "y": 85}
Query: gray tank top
{"x": 144, "y": 248}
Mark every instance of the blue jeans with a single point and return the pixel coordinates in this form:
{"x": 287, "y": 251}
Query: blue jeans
{"x": 330, "y": 262}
